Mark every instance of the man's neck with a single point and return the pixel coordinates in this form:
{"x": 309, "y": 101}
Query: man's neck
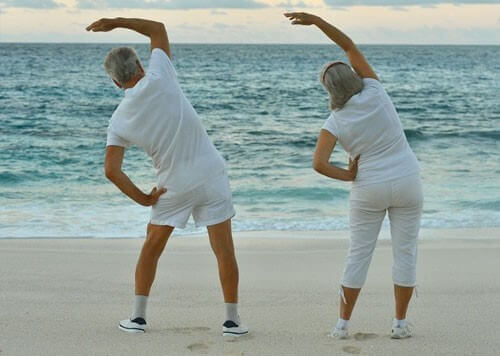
{"x": 132, "y": 82}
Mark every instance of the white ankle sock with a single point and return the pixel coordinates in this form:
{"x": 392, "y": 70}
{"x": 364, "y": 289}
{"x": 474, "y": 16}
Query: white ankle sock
{"x": 140, "y": 304}
{"x": 400, "y": 323}
{"x": 342, "y": 324}
{"x": 232, "y": 312}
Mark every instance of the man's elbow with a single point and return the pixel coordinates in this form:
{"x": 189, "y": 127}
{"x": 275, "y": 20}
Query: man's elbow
{"x": 317, "y": 165}
{"x": 110, "y": 172}
{"x": 160, "y": 27}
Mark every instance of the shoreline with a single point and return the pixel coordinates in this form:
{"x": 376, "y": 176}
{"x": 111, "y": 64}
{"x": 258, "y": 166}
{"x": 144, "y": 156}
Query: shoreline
{"x": 426, "y": 234}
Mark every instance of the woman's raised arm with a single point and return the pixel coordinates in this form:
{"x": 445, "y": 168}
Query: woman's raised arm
{"x": 357, "y": 59}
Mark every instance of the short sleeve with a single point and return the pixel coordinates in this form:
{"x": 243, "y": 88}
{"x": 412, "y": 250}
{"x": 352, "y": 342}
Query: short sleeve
{"x": 373, "y": 84}
{"x": 115, "y": 140}
{"x": 160, "y": 64}
{"x": 331, "y": 126}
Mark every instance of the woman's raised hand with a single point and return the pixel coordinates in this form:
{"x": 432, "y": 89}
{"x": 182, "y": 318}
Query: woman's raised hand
{"x": 302, "y": 18}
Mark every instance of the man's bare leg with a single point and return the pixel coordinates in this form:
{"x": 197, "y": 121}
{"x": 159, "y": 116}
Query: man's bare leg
{"x": 145, "y": 272}
{"x": 156, "y": 239}
{"x": 221, "y": 240}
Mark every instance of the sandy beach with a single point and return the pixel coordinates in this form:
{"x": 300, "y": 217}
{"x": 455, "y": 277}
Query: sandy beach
{"x": 66, "y": 296}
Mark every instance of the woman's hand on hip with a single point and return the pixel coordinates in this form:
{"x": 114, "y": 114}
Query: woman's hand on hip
{"x": 353, "y": 167}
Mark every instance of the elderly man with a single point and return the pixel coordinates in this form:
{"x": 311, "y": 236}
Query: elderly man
{"x": 156, "y": 116}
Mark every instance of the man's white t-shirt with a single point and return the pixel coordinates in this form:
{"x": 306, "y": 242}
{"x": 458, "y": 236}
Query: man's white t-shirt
{"x": 156, "y": 116}
{"x": 369, "y": 125}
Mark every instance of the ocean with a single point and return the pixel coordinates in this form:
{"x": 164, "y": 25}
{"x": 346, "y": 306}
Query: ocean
{"x": 262, "y": 106}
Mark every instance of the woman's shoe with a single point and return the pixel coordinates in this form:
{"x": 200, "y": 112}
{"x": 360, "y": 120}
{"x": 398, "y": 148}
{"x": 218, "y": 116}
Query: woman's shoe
{"x": 339, "y": 334}
{"x": 400, "y": 331}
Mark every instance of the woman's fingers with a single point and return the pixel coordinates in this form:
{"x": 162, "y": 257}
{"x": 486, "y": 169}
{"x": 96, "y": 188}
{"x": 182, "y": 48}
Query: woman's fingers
{"x": 292, "y": 15}
{"x": 300, "y": 18}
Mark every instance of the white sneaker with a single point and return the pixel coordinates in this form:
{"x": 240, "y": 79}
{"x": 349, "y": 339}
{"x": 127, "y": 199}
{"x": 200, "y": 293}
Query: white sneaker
{"x": 400, "y": 332}
{"x": 340, "y": 334}
{"x": 230, "y": 328}
{"x": 138, "y": 325}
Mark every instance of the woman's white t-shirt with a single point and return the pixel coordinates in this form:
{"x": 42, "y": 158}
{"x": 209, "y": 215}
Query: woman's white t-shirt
{"x": 156, "y": 116}
{"x": 369, "y": 125}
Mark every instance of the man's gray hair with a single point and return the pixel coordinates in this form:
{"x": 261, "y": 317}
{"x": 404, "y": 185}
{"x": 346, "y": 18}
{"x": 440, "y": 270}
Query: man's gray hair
{"x": 121, "y": 64}
{"x": 341, "y": 82}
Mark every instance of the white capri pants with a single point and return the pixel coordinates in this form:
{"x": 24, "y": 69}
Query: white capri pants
{"x": 402, "y": 198}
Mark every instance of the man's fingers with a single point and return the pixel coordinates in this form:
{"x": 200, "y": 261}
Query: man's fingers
{"x": 357, "y": 158}
{"x": 92, "y": 25}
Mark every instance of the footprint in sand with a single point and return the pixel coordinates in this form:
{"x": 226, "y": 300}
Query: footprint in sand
{"x": 234, "y": 353}
{"x": 352, "y": 350}
{"x": 189, "y": 330}
{"x": 198, "y": 347}
{"x": 364, "y": 336}
{"x": 238, "y": 339}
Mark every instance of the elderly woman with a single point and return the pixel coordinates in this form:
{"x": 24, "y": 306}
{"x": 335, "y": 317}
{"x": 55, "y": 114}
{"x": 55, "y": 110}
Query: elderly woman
{"x": 364, "y": 121}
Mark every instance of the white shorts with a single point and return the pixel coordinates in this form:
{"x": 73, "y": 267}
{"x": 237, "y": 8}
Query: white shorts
{"x": 210, "y": 204}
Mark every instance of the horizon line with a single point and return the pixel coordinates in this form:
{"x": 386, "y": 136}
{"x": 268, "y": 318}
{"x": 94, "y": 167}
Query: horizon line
{"x": 259, "y": 44}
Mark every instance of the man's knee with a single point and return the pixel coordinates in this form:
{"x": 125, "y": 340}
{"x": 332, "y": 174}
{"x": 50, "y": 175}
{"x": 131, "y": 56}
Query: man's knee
{"x": 154, "y": 244}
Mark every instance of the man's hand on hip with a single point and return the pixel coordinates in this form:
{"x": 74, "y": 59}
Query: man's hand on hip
{"x": 153, "y": 197}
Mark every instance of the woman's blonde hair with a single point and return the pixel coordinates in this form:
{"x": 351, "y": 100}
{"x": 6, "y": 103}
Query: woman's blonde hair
{"x": 341, "y": 82}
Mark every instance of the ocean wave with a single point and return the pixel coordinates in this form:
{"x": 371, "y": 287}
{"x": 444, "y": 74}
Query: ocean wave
{"x": 291, "y": 193}
{"x": 491, "y": 134}
{"x": 414, "y": 134}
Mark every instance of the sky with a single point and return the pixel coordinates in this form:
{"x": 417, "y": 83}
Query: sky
{"x": 257, "y": 21}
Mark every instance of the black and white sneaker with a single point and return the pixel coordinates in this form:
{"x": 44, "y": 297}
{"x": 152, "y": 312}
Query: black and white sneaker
{"x": 230, "y": 328}
{"x": 138, "y": 325}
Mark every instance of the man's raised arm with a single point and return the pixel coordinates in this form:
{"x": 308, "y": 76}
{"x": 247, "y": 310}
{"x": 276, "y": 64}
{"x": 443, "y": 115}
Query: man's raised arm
{"x": 154, "y": 30}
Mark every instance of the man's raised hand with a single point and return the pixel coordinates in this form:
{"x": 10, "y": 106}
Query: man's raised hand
{"x": 102, "y": 25}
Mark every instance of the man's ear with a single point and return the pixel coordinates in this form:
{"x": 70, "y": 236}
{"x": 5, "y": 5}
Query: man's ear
{"x": 141, "y": 69}
{"x": 118, "y": 84}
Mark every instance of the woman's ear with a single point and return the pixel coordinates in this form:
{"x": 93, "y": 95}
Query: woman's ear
{"x": 118, "y": 84}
